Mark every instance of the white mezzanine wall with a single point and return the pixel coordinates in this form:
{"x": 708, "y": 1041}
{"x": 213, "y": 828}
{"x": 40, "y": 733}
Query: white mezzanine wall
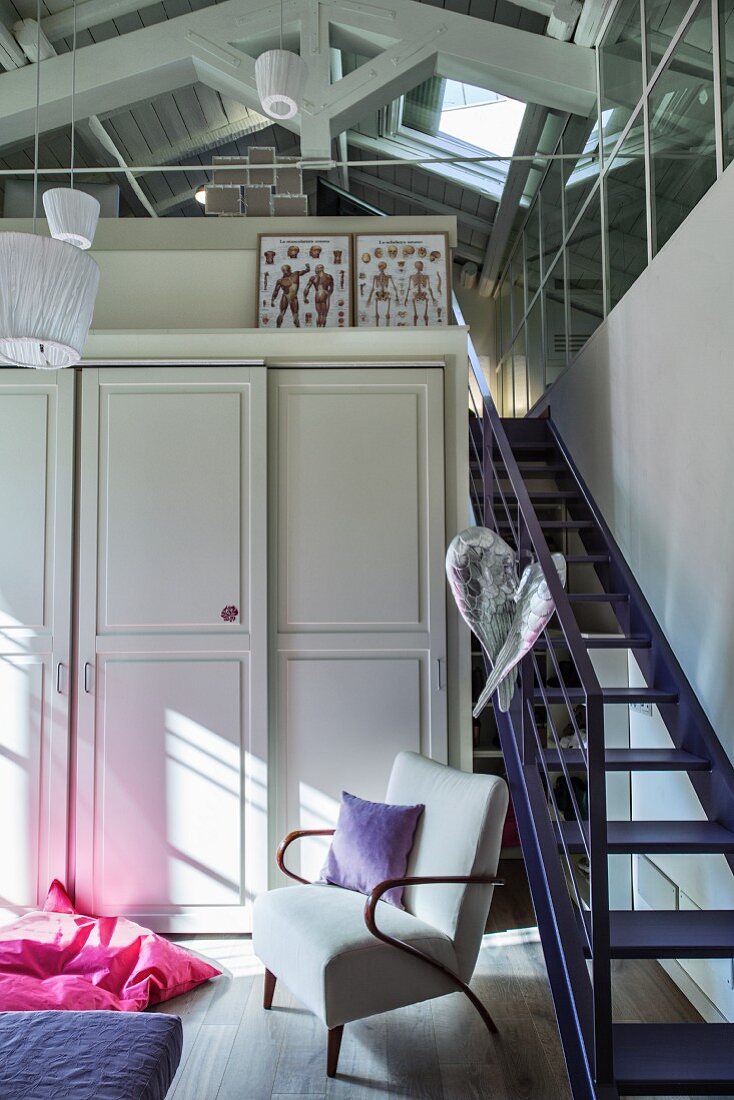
{"x": 645, "y": 410}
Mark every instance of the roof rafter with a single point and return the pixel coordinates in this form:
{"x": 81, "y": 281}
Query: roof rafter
{"x": 527, "y": 142}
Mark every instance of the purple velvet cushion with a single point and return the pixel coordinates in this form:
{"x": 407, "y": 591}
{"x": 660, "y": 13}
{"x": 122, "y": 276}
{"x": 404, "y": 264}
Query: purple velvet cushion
{"x": 372, "y": 843}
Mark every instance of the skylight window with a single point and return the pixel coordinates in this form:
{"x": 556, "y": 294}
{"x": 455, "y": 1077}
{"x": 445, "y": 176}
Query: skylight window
{"x": 480, "y": 118}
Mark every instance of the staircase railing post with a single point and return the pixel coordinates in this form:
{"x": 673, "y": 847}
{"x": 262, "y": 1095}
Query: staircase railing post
{"x": 527, "y": 667}
{"x": 488, "y": 471}
{"x": 599, "y": 889}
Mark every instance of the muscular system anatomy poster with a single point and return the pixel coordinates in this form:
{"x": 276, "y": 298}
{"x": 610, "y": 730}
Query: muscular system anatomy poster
{"x": 304, "y": 282}
{"x": 402, "y": 280}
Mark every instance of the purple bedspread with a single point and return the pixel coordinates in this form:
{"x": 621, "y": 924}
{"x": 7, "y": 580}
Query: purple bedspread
{"x": 88, "y": 1055}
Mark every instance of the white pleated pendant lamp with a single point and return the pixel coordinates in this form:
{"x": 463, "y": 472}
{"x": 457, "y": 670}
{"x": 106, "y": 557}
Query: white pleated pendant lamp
{"x": 71, "y": 215}
{"x": 280, "y": 76}
{"x": 47, "y": 294}
{"x": 48, "y": 286}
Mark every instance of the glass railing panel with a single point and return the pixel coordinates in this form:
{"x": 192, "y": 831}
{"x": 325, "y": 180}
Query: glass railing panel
{"x": 682, "y": 128}
{"x": 626, "y": 214}
{"x": 620, "y": 72}
{"x": 585, "y": 275}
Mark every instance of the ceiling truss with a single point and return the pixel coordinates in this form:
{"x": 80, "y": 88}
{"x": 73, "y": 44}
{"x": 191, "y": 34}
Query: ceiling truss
{"x": 408, "y": 42}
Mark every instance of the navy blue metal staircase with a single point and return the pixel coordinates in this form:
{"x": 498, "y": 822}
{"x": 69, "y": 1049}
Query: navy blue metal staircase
{"x": 525, "y": 486}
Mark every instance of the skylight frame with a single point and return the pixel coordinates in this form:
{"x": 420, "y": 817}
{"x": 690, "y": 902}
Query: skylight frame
{"x": 486, "y": 179}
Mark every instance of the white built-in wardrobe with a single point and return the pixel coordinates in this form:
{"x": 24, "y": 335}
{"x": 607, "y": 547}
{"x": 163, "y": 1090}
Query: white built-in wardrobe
{"x": 221, "y": 603}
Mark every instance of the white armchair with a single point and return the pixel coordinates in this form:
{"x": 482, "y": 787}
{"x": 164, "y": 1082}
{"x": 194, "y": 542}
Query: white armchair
{"x": 346, "y": 958}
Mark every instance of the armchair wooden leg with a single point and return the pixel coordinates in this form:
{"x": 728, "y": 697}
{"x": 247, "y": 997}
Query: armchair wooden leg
{"x": 333, "y": 1046}
{"x": 269, "y": 989}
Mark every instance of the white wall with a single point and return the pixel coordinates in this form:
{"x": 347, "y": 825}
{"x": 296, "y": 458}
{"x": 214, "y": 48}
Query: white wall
{"x": 480, "y": 314}
{"x": 199, "y": 272}
{"x": 646, "y": 410}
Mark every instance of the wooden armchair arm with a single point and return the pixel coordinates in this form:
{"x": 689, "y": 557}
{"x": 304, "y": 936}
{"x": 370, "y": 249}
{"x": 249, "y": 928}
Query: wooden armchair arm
{"x": 408, "y": 948}
{"x": 286, "y": 843}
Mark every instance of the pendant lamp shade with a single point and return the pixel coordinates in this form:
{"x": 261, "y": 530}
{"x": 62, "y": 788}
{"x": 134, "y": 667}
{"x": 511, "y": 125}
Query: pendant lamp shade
{"x": 280, "y": 76}
{"x": 72, "y": 215}
{"x": 47, "y": 294}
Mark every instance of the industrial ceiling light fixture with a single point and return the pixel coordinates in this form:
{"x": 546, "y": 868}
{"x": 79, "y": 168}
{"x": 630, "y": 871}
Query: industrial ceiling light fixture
{"x": 49, "y": 285}
{"x": 200, "y": 194}
{"x": 280, "y": 76}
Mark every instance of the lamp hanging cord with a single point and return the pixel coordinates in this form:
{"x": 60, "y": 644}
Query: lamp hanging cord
{"x": 38, "y": 102}
{"x": 73, "y": 89}
{"x": 281, "y": 24}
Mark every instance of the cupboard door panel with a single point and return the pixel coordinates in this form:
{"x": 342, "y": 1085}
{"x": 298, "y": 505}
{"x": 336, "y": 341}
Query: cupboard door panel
{"x": 168, "y": 783}
{"x": 173, "y": 551}
{"x": 21, "y": 757}
{"x": 358, "y": 545}
{"x": 172, "y": 692}
{"x": 337, "y": 708}
{"x": 36, "y": 511}
{"x": 24, "y": 460}
{"x": 352, "y": 508}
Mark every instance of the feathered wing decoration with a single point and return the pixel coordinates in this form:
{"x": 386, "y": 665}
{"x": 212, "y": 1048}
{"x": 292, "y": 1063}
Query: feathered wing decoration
{"x": 481, "y": 571}
{"x": 533, "y": 611}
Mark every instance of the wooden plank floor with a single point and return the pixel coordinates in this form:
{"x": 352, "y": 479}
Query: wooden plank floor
{"x": 234, "y": 1050}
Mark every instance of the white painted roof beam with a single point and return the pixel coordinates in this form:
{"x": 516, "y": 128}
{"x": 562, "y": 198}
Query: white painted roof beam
{"x": 527, "y": 143}
{"x": 89, "y": 13}
{"x": 591, "y": 20}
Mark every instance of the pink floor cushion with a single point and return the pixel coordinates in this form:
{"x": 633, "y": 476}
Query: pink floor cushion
{"x": 61, "y": 959}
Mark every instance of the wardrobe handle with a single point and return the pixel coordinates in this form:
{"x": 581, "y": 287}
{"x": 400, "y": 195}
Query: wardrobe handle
{"x": 87, "y": 669}
{"x": 59, "y": 668}
{"x": 439, "y": 674}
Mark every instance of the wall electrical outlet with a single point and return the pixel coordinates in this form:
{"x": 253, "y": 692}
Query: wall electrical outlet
{"x": 642, "y": 708}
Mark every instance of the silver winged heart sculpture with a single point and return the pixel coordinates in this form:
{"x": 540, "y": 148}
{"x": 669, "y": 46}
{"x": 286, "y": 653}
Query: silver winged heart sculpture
{"x": 507, "y": 616}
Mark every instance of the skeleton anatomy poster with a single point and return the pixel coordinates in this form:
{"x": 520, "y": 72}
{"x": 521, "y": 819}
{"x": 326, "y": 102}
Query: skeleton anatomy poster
{"x": 304, "y": 282}
{"x": 402, "y": 280}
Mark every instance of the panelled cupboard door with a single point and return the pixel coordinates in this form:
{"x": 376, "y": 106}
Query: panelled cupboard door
{"x": 172, "y": 738}
{"x": 357, "y": 584}
{"x": 36, "y": 520}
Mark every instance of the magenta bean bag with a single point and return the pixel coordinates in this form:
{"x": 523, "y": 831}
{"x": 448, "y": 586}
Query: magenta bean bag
{"x": 61, "y": 959}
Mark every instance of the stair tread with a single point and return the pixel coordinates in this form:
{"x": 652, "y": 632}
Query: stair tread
{"x": 610, "y": 695}
{"x": 671, "y": 934}
{"x": 598, "y": 597}
{"x": 691, "y": 1057}
{"x": 689, "y": 837}
{"x": 554, "y": 494}
{"x": 527, "y": 445}
{"x": 601, "y": 641}
{"x": 560, "y": 524}
{"x": 544, "y": 469}
{"x": 633, "y": 760}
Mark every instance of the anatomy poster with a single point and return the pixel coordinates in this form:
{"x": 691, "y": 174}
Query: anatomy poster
{"x": 304, "y": 282}
{"x": 402, "y": 280}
